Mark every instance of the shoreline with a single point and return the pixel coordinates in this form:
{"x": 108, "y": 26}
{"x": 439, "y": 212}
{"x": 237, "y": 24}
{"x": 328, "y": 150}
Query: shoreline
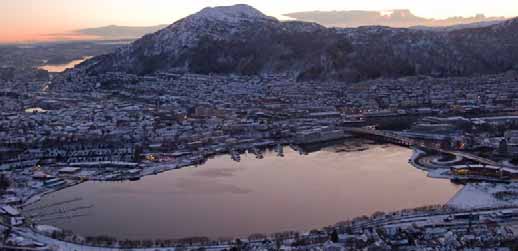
{"x": 149, "y": 173}
{"x": 35, "y": 198}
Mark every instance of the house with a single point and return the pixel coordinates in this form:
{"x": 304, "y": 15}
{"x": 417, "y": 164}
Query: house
{"x": 69, "y": 170}
{"x": 9, "y": 210}
{"x": 511, "y": 141}
{"x": 53, "y": 183}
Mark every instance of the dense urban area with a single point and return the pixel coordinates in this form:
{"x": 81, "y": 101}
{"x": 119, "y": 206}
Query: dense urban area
{"x": 58, "y": 130}
{"x": 65, "y": 130}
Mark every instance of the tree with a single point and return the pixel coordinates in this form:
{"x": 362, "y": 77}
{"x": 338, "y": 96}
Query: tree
{"x": 4, "y": 182}
{"x": 6, "y": 233}
{"x": 334, "y": 236}
{"x": 278, "y": 244}
{"x": 502, "y": 147}
{"x": 238, "y": 244}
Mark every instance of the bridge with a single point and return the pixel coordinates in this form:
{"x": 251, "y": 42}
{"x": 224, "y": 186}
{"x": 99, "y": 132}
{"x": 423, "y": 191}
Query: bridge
{"x": 397, "y": 139}
{"x": 466, "y": 155}
{"x": 385, "y": 136}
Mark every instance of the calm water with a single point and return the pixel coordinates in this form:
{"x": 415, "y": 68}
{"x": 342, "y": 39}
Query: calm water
{"x": 62, "y": 67}
{"x": 227, "y": 199}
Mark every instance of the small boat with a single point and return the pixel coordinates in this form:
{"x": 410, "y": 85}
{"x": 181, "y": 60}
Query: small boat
{"x": 279, "y": 150}
{"x": 257, "y": 152}
{"x": 235, "y": 156}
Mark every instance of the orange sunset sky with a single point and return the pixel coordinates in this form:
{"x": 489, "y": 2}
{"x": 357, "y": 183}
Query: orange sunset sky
{"x": 34, "y": 20}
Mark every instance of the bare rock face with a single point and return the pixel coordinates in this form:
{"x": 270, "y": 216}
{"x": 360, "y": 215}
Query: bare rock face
{"x": 241, "y": 40}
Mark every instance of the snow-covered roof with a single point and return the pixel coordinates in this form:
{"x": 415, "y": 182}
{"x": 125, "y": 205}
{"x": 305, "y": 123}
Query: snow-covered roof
{"x": 10, "y": 210}
{"x": 69, "y": 169}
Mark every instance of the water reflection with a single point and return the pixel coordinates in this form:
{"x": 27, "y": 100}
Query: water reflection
{"x": 62, "y": 67}
{"x": 223, "y": 198}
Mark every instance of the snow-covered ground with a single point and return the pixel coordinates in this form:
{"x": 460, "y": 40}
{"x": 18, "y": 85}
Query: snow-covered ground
{"x": 65, "y": 246}
{"x": 439, "y": 174}
{"x": 416, "y": 154}
{"x": 482, "y": 195}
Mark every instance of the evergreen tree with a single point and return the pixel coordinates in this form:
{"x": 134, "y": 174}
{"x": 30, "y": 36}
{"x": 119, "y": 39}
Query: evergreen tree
{"x": 4, "y": 182}
{"x": 334, "y": 236}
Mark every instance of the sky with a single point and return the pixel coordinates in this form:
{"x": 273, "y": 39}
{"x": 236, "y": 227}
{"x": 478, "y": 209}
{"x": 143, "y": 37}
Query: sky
{"x": 28, "y": 20}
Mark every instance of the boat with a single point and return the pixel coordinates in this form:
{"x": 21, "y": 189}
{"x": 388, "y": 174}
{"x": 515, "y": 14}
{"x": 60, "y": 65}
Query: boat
{"x": 236, "y": 158}
{"x": 279, "y": 150}
{"x": 235, "y": 155}
{"x": 257, "y": 152}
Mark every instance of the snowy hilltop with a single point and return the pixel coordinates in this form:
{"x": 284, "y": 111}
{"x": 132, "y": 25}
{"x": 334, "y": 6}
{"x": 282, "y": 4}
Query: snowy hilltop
{"x": 232, "y": 14}
{"x": 241, "y": 40}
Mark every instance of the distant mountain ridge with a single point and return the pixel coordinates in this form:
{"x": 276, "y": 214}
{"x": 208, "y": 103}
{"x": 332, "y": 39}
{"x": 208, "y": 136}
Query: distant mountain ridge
{"x": 241, "y": 40}
{"x": 396, "y": 18}
{"x": 458, "y": 26}
{"x": 114, "y": 32}
{"x": 343, "y": 19}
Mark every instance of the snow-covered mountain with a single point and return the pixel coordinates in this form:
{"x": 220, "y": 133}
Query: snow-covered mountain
{"x": 241, "y": 40}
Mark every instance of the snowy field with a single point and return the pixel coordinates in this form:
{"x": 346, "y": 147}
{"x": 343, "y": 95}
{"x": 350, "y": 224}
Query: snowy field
{"x": 484, "y": 195}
